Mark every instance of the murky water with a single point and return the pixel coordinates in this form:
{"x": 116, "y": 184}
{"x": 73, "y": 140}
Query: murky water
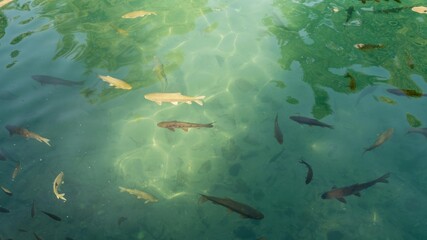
{"x": 252, "y": 60}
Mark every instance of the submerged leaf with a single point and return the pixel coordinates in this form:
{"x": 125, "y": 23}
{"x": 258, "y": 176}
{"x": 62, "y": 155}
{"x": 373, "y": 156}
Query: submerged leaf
{"x": 292, "y": 100}
{"x": 412, "y": 120}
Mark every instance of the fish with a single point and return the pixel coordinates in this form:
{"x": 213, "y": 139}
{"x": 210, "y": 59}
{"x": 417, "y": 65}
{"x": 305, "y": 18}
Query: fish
{"x": 5, "y": 2}
{"x": 309, "y": 176}
{"x": 173, "y": 98}
{"x": 33, "y": 210}
{"x": 277, "y": 133}
{"x": 340, "y": 193}
{"x": 137, "y": 14}
{"x": 26, "y": 133}
{"x": 391, "y": 10}
{"x": 2, "y": 156}
{"x": 37, "y": 236}
{"x": 381, "y": 139}
{"x": 420, "y": 9}
{"x": 364, "y": 92}
{"x": 368, "y": 46}
{"x": 56, "y": 184}
{"x": 44, "y": 80}
{"x": 160, "y": 71}
{"x": 114, "y": 82}
{"x": 352, "y": 83}
{"x": 140, "y": 194}
{"x": 422, "y": 131}
{"x": 276, "y": 156}
{"x": 409, "y": 60}
{"x": 22, "y": 230}
{"x": 16, "y": 170}
{"x": 349, "y": 11}
{"x": 240, "y": 208}
{"x": 171, "y": 125}
{"x": 53, "y": 216}
{"x": 405, "y": 92}
{"x": 7, "y": 191}
{"x": 310, "y": 121}
{"x": 121, "y": 220}
{"x": 4, "y": 210}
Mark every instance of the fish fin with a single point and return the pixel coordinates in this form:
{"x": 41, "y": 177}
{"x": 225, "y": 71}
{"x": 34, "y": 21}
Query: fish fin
{"x": 188, "y": 102}
{"x": 174, "y": 103}
{"x": 202, "y": 198}
{"x": 172, "y": 129}
{"x": 159, "y": 102}
{"x": 185, "y": 129}
{"x": 358, "y": 194}
{"x": 45, "y": 140}
{"x": 341, "y": 199}
{"x": 199, "y": 102}
{"x": 383, "y": 178}
{"x": 146, "y": 201}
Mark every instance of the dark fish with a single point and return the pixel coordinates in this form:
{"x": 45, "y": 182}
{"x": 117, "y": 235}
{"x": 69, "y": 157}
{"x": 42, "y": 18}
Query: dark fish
{"x": 368, "y": 46}
{"x": 381, "y": 139}
{"x": 183, "y": 125}
{"x": 391, "y": 10}
{"x": 7, "y": 191}
{"x": 405, "y": 92}
{"x": 121, "y": 220}
{"x": 44, "y": 79}
{"x": 349, "y": 11}
{"x": 54, "y": 217}
{"x": 352, "y": 83}
{"x": 340, "y": 193}
{"x": 277, "y": 133}
{"x": 275, "y": 157}
{"x": 309, "y": 176}
{"x": 310, "y": 121}
{"x": 160, "y": 71}
{"x": 4, "y": 210}
{"x": 2, "y": 156}
{"x": 240, "y": 208}
{"x": 422, "y": 131}
{"x": 26, "y": 133}
{"x": 33, "y": 209}
{"x": 37, "y": 236}
{"x": 409, "y": 60}
{"x": 364, "y": 92}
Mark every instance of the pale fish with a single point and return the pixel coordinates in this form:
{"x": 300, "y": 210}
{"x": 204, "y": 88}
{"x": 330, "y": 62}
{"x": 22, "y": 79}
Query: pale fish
{"x": 26, "y": 133}
{"x": 114, "y": 82}
{"x": 137, "y": 14}
{"x": 420, "y": 9}
{"x": 381, "y": 139}
{"x": 173, "y": 98}
{"x": 140, "y": 194}
{"x": 56, "y": 184}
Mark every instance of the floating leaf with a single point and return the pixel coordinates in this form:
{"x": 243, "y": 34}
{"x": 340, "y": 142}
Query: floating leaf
{"x": 412, "y": 120}
{"x": 20, "y": 37}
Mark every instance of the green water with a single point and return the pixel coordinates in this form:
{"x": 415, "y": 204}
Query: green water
{"x": 251, "y": 59}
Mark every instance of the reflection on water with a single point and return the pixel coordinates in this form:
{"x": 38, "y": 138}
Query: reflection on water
{"x": 251, "y": 60}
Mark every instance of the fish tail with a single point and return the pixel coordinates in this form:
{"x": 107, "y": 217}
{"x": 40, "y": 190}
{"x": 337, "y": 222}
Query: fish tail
{"x": 61, "y": 196}
{"x": 202, "y": 198}
{"x": 45, "y": 140}
{"x": 122, "y": 189}
{"x": 198, "y": 100}
{"x": 383, "y": 178}
{"x": 209, "y": 125}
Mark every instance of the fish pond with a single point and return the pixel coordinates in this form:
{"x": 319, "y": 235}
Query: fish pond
{"x": 295, "y": 97}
